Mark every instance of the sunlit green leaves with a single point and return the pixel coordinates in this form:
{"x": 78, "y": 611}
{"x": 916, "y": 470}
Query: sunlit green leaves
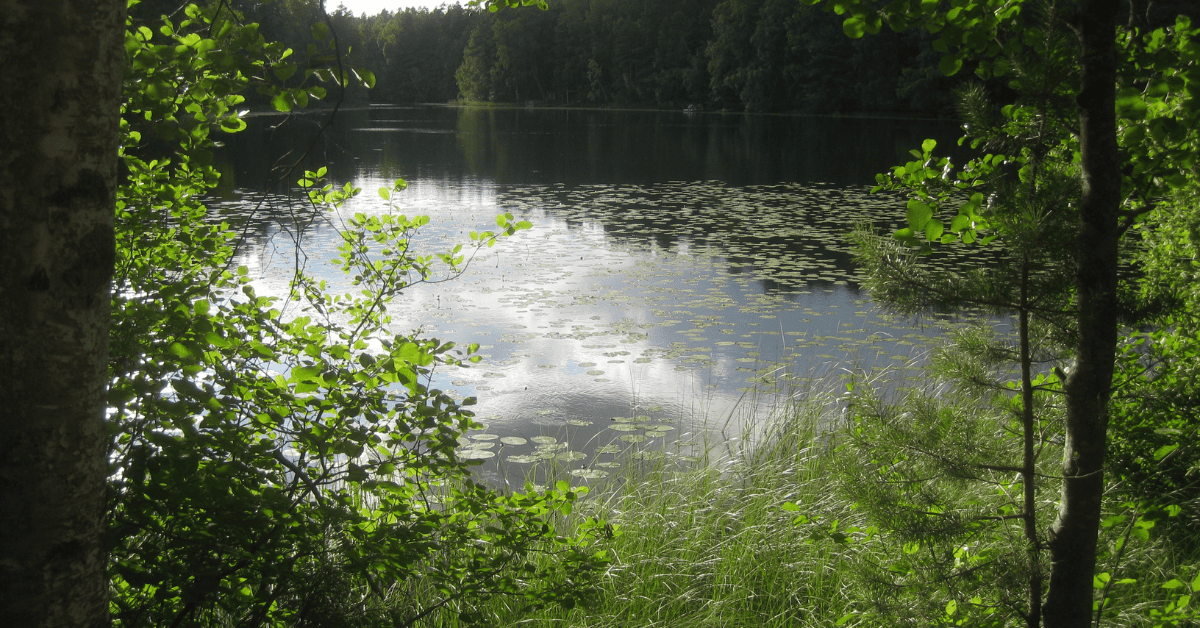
{"x": 918, "y": 214}
{"x": 1130, "y": 104}
{"x": 245, "y": 437}
{"x": 365, "y": 77}
{"x": 862, "y": 23}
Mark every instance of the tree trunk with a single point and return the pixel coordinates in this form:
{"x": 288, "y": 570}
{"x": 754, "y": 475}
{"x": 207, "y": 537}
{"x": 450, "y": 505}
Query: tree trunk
{"x": 1033, "y": 615}
{"x": 1073, "y": 536}
{"x": 60, "y": 90}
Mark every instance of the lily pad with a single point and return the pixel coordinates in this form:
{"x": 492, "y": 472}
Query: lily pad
{"x": 589, "y": 474}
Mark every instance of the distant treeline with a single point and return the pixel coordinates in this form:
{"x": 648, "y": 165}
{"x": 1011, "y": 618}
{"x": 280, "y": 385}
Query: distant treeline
{"x": 756, "y": 55}
{"x": 752, "y": 55}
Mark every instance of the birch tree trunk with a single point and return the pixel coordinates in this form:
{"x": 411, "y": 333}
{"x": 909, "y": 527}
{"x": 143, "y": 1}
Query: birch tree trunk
{"x": 60, "y": 90}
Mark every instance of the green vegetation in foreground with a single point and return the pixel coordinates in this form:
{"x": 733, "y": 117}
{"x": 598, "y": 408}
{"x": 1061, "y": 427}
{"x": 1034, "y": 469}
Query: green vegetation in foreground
{"x": 713, "y": 544}
{"x": 780, "y": 536}
{"x": 910, "y": 513}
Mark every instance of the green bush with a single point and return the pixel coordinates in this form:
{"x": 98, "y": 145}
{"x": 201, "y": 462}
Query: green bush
{"x": 284, "y": 461}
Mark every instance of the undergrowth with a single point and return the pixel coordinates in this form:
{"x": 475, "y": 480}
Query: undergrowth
{"x": 772, "y": 537}
{"x": 710, "y": 544}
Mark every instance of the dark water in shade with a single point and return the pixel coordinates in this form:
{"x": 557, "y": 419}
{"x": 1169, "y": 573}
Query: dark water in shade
{"x": 685, "y": 273}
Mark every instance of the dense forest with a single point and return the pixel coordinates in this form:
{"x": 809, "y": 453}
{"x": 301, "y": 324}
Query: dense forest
{"x": 751, "y": 55}
{"x": 756, "y": 55}
{"x": 742, "y": 55}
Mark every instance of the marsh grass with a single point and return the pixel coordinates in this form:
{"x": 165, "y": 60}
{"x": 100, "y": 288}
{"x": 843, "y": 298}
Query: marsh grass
{"x": 709, "y": 543}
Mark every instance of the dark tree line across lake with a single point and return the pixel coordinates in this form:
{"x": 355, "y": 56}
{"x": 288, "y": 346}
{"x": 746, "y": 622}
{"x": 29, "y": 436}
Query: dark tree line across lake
{"x": 756, "y": 55}
{"x": 752, "y": 55}
{"x": 740, "y": 55}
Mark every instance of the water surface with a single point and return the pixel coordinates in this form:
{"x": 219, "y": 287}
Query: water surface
{"x": 684, "y": 276}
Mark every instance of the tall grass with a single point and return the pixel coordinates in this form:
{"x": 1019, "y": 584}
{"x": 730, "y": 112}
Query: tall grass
{"x": 709, "y": 543}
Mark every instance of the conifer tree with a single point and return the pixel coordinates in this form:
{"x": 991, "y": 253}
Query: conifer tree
{"x": 1080, "y": 153}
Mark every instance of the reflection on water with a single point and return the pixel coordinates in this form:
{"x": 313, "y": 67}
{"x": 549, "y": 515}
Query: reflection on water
{"x": 682, "y": 277}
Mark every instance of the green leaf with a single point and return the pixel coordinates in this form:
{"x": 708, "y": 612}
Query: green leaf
{"x": 918, "y": 215}
{"x": 233, "y": 124}
{"x": 306, "y": 373}
{"x": 216, "y": 340}
{"x": 905, "y": 236}
{"x": 950, "y": 65}
{"x": 1162, "y": 452}
{"x": 874, "y": 24}
{"x": 854, "y": 27}
{"x": 928, "y": 145}
{"x": 1130, "y": 104}
{"x": 320, "y": 31}
{"x": 366, "y": 77}
{"x": 281, "y": 102}
{"x": 934, "y": 230}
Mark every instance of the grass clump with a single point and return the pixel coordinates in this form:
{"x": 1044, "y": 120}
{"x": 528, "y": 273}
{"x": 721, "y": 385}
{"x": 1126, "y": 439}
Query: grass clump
{"x": 738, "y": 542}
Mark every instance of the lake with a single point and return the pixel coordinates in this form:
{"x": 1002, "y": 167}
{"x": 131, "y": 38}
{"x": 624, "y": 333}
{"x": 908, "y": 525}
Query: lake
{"x": 686, "y": 274}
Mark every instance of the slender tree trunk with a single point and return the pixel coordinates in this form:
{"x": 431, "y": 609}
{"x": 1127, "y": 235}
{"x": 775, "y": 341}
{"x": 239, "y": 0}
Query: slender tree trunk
{"x": 60, "y": 90}
{"x": 1033, "y": 615}
{"x": 1073, "y": 537}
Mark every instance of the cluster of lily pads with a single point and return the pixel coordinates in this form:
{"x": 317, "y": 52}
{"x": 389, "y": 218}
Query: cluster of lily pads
{"x": 480, "y": 444}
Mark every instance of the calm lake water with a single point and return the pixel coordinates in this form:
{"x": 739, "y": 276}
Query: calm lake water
{"x": 684, "y": 276}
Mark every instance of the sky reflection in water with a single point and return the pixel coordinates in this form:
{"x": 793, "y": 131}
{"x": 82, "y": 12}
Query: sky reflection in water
{"x": 658, "y": 316}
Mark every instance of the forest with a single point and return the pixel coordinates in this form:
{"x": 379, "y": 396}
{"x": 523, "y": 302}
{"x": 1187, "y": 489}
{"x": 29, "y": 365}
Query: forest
{"x": 183, "y": 450}
{"x": 740, "y": 55}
